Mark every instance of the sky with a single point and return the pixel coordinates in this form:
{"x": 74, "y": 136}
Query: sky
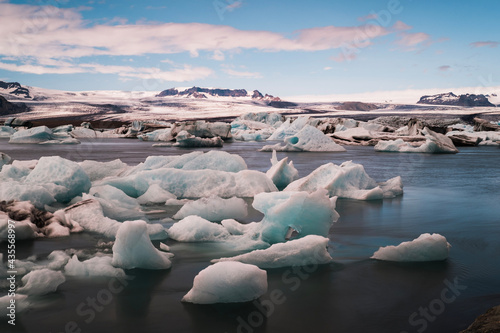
{"x": 284, "y": 48}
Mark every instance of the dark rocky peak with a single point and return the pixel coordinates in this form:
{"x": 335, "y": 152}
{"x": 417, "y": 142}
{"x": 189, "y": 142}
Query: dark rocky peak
{"x": 168, "y": 92}
{"x": 208, "y": 91}
{"x": 467, "y": 100}
{"x": 15, "y": 89}
{"x": 257, "y": 95}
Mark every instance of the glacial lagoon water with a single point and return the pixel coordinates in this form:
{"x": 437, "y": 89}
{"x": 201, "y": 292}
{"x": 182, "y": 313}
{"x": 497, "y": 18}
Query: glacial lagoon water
{"x": 457, "y": 196}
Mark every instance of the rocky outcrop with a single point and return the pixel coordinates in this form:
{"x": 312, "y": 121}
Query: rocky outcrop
{"x": 15, "y": 88}
{"x": 467, "y": 100}
{"x": 7, "y": 107}
{"x": 488, "y": 322}
{"x": 196, "y": 91}
{"x": 356, "y": 106}
{"x": 257, "y": 95}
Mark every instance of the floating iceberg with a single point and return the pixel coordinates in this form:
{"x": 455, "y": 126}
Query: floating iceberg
{"x": 63, "y": 178}
{"x": 133, "y": 248}
{"x": 41, "y": 135}
{"x": 96, "y": 266}
{"x": 214, "y": 209}
{"x": 186, "y": 140}
{"x": 435, "y": 144}
{"x": 289, "y": 128}
{"x": 427, "y": 247}
{"x": 24, "y": 229}
{"x": 196, "y": 229}
{"x": 282, "y": 173}
{"x": 195, "y": 183}
{"x": 41, "y": 282}
{"x": 309, "y": 138}
{"x": 227, "y": 282}
{"x": 164, "y": 134}
{"x": 352, "y": 134}
{"x": 22, "y": 304}
{"x": 349, "y": 180}
{"x": 6, "y": 131}
{"x": 306, "y": 213}
{"x": 309, "y": 250}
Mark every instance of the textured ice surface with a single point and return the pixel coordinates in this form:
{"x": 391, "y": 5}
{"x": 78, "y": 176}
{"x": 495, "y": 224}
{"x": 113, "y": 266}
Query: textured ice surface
{"x": 164, "y": 134}
{"x": 289, "y": 128}
{"x": 133, "y": 248}
{"x": 155, "y": 195}
{"x": 196, "y": 229}
{"x": 356, "y": 133}
{"x": 309, "y": 138}
{"x": 32, "y": 135}
{"x": 427, "y": 247}
{"x": 306, "y": 213}
{"x": 116, "y": 204}
{"x": 6, "y": 131}
{"x": 308, "y": 250}
{"x": 24, "y": 229}
{"x": 227, "y": 282}
{"x": 99, "y": 170}
{"x": 89, "y": 214}
{"x": 281, "y": 172}
{"x": 96, "y": 266}
{"x": 214, "y": 209}
{"x": 41, "y": 282}
{"x": 349, "y": 180}
{"x": 4, "y": 159}
{"x": 195, "y": 183}
{"x": 435, "y": 144}
{"x": 65, "y": 179}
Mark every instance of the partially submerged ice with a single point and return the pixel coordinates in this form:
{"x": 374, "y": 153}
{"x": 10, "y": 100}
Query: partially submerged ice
{"x": 195, "y": 183}
{"x": 41, "y": 135}
{"x": 197, "y": 229}
{"x": 309, "y": 250}
{"x": 349, "y": 180}
{"x": 95, "y": 266}
{"x": 302, "y": 212}
{"x": 427, "y": 247}
{"x": 435, "y": 144}
{"x": 282, "y": 172}
{"x": 214, "y": 209}
{"x": 41, "y": 282}
{"x": 187, "y": 140}
{"x": 133, "y": 248}
{"x": 227, "y": 282}
{"x": 309, "y": 138}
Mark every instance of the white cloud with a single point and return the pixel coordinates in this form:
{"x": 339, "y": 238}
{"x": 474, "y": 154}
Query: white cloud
{"x": 345, "y": 56}
{"x": 491, "y": 44}
{"x": 410, "y": 40}
{"x": 248, "y": 75}
{"x": 218, "y": 55}
{"x": 327, "y": 68}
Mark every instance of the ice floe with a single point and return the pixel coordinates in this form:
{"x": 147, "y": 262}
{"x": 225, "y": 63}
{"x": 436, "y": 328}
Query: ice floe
{"x": 95, "y": 266}
{"x": 427, "y": 247}
{"x": 282, "y": 172}
{"x": 227, "y": 282}
{"x": 214, "y": 209}
{"x": 349, "y": 180}
{"x": 197, "y": 229}
{"x": 309, "y": 138}
{"x": 41, "y": 282}
{"x": 435, "y": 144}
{"x": 309, "y": 250}
{"x": 133, "y": 248}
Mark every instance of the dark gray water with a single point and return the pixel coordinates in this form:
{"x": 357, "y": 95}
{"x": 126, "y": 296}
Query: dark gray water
{"x": 457, "y": 196}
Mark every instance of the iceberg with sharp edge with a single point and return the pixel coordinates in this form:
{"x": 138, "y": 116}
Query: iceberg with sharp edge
{"x": 349, "y": 180}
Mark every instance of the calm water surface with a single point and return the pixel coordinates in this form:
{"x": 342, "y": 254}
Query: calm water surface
{"x": 457, "y": 196}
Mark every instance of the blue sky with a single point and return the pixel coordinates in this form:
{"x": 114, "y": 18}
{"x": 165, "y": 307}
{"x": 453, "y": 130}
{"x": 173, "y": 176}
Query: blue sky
{"x": 279, "y": 47}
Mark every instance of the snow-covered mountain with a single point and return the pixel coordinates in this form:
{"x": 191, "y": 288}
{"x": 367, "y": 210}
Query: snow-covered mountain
{"x": 467, "y": 100}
